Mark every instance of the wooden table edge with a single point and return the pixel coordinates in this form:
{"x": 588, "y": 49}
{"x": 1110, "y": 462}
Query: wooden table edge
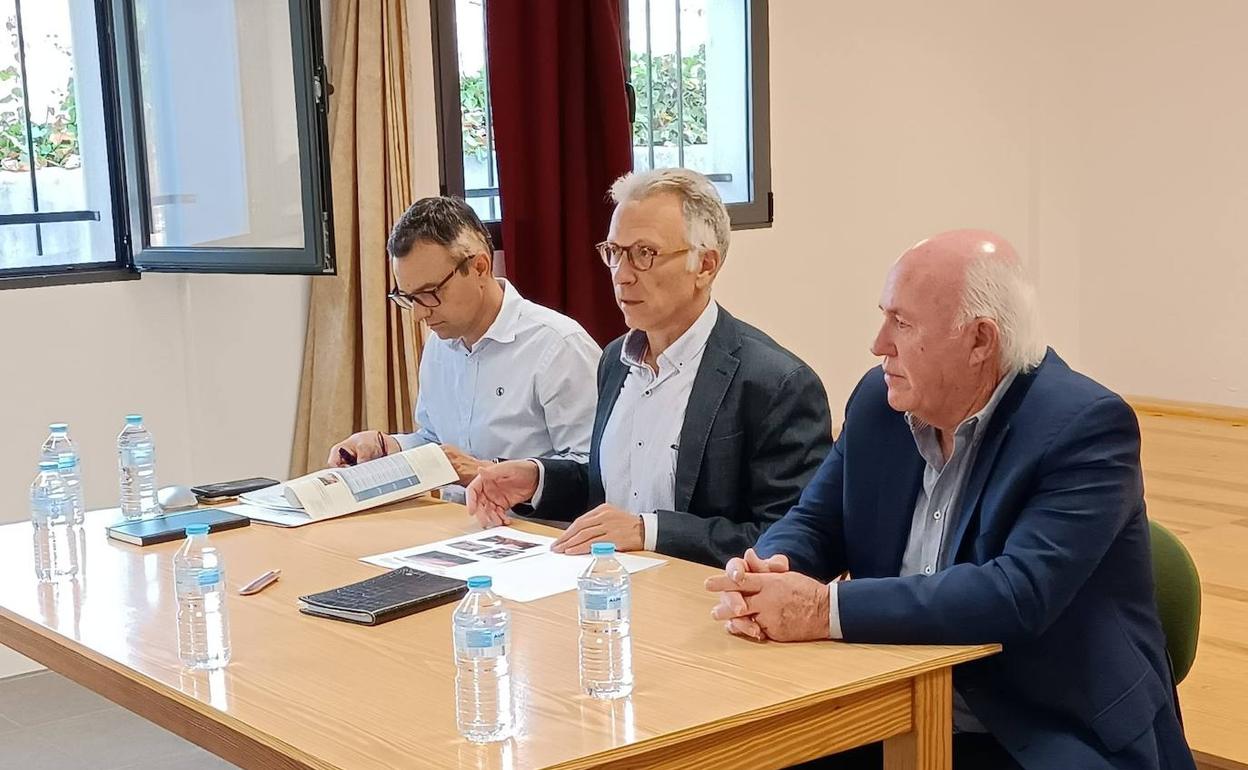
{"x": 826, "y": 699}
{"x": 213, "y": 730}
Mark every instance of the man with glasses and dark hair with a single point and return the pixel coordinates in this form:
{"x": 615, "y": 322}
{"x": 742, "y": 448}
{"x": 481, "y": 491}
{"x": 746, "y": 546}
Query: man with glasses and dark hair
{"x": 707, "y": 429}
{"x": 501, "y": 377}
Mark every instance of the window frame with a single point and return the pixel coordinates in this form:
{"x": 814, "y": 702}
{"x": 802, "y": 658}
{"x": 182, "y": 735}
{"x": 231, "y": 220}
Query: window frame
{"x": 758, "y": 212}
{"x": 102, "y": 270}
{"x": 450, "y": 118}
{"x": 124, "y": 136}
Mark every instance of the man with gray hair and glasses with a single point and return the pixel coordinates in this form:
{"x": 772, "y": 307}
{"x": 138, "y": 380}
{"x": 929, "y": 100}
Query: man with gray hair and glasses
{"x": 706, "y": 428}
{"x": 501, "y": 377}
{"x": 981, "y": 491}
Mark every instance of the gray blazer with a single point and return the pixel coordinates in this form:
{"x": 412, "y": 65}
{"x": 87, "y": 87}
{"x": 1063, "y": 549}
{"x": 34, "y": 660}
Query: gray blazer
{"x": 756, "y": 429}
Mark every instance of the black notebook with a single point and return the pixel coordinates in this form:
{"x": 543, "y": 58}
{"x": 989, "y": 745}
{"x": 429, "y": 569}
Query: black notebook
{"x": 393, "y": 595}
{"x": 162, "y": 529}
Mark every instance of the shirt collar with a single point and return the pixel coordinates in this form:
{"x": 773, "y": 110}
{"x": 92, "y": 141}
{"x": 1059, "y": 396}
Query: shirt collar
{"x": 686, "y": 346}
{"x": 972, "y": 427}
{"x": 503, "y": 329}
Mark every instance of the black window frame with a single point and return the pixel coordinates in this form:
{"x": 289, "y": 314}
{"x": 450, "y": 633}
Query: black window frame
{"x": 446, "y": 96}
{"x": 758, "y": 212}
{"x": 129, "y": 195}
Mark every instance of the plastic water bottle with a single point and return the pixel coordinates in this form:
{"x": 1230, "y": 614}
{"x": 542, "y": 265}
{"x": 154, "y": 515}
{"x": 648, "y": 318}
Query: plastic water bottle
{"x": 136, "y": 463}
{"x": 55, "y": 546}
{"x": 58, "y": 447}
{"x": 605, "y": 602}
{"x": 482, "y": 633}
{"x": 67, "y": 467}
{"x": 199, "y": 582}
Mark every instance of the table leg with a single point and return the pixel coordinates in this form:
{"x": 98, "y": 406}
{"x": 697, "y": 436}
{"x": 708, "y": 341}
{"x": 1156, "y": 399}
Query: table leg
{"x": 929, "y": 746}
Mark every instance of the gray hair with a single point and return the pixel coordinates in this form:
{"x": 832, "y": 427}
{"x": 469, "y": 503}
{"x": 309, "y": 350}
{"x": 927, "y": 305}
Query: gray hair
{"x": 706, "y": 219}
{"x": 997, "y": 288}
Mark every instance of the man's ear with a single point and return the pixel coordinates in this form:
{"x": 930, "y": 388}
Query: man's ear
{"x": 709, "y": 263}
{"x": 482, "y": 264}
{"x": 986, "y": 341}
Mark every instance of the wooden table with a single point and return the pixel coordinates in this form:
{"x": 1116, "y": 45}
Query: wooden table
{"x": 303, "y": 692}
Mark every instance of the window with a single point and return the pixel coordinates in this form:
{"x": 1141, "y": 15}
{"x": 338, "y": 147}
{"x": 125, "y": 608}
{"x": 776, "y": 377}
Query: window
{"x": 466, "y": 130}
{"x": 149, "y": 135}
{"x": 56, "y": 191}
{"x": 698, "y": 71}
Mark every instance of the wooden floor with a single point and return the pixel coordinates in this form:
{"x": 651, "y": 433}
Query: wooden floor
{"x": 1196, "y": 477}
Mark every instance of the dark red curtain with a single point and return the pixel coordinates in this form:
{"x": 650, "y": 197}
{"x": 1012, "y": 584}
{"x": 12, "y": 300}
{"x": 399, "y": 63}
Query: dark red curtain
{"x": 561, "y": 128}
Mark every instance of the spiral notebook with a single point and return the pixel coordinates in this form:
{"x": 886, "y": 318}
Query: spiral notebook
{"x": 395, "y": 594}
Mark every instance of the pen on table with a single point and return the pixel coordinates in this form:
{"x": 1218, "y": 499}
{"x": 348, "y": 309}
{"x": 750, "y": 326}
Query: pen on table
{"x": 346, "y": 456}
{"x": 260, "y": 583}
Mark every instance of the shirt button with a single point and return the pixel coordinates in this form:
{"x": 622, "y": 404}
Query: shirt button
{"x": 927, "y": 570}
{"x": 634, "y": 494}
{"x": 936, "y": 515}
{"x": 638, "y": 443}
{"x": 647, "y": 392}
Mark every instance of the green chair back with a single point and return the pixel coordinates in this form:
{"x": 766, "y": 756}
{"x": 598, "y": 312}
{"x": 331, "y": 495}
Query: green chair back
{"x": 1177, "y": 587}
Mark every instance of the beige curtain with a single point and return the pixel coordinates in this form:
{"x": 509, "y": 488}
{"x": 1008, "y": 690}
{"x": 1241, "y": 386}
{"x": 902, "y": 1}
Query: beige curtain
{"x": 361, "y": 352}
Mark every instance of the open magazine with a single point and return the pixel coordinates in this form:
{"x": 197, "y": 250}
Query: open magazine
{"x": 339, "y": 491}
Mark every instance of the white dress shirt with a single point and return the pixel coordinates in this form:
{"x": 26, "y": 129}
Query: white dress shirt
{"x": 637, "y": 457}
{"x": 525, "y": 389}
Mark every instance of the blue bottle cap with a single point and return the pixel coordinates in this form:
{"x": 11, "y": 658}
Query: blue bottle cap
{"x": 134, "y": 419}
{"x": 602, "y": 549}
{"x": 196, "y": 529}
{"x": 59, "y": 427}
{"x": 480, "y": 581}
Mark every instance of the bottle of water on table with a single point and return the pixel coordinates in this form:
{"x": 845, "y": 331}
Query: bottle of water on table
{"x": 606, "y": 652}
{"x": 51, "y": 517}
{"x": 136, "y": 464}
{"x": 59, "y": 448}
{"x": 199, "y": 582}
{"x": 482, "y": 633}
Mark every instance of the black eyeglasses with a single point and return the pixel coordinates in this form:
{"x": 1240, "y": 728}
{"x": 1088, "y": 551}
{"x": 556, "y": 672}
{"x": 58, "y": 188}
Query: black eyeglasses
{"x": 641, "y": 257}
{"x": 428, "y": 297}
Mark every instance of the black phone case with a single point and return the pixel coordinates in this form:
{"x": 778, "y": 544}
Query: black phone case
{"x": 232, "y": 488}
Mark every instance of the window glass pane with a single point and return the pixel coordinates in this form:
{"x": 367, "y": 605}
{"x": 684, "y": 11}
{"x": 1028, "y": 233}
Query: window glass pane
{"x": 480, "y": 159}
{"x": 690, "y": 68}
{"x": 221, "y": 135}
{"x": 53, "y": 145}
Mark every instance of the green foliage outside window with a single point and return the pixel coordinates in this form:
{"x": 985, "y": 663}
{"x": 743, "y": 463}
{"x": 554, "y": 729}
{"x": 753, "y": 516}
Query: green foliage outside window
{"x": 666, "y": 119}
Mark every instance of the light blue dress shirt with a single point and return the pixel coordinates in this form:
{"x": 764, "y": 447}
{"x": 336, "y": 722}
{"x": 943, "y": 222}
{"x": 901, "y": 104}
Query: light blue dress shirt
{"x": 527, "y": 388}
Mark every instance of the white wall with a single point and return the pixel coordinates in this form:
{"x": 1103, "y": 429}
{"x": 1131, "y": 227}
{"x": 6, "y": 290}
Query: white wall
{"x": 1100, "y": 138}
{"x": 212, "y": 362}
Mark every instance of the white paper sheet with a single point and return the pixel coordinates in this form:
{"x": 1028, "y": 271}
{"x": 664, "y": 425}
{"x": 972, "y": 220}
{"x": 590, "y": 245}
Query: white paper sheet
{"x": 521, "y": 564}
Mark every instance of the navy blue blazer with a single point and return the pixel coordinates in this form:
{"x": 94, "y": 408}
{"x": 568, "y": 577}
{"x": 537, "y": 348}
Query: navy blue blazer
{"x": 1051, "y": 558}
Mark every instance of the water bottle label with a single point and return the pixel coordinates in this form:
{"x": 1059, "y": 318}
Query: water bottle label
{"x": 484, "y": 642}
{"x": 139, "y": 455}
{"x": 208, "y": 579}
{"x": 604, "y": 605}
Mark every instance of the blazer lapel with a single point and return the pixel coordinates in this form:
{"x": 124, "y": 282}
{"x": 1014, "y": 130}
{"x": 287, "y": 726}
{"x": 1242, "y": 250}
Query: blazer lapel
{"x": 612, "y": 384}
{"x": 715, "y": 374}
{"x": 986, "y": 459}
{"x": 974, "y": 490}
{"x": 894, "y": 512}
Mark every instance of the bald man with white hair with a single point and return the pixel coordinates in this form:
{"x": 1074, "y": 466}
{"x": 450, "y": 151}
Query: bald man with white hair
{"x": 980, "y": 491}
